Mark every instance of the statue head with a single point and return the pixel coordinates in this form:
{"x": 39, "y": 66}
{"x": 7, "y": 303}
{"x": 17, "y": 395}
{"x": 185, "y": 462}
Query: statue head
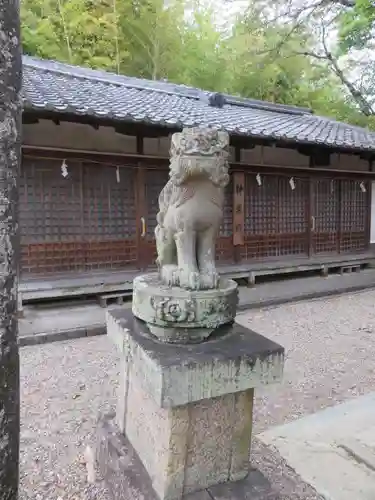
{"x": 200, "y": 152}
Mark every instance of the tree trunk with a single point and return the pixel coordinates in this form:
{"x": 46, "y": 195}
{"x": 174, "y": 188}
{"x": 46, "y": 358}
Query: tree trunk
{"x": 10, "y": 152}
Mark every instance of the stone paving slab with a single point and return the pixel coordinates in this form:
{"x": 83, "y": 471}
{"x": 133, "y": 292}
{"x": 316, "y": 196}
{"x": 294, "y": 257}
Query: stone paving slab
{"x": 271, "y": 478}
{"x": 42, "y": 324}
{"x": 304, "y": 288}
{"x": 332, "y": 450}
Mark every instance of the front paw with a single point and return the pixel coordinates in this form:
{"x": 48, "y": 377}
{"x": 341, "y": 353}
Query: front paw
{"x": 169, "y": 275}
{"x": 210, "y": 280}
{"x": 189, "y": 280}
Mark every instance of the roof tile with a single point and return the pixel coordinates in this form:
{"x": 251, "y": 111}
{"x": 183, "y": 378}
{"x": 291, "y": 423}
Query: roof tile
{"x": 59, "y": 87}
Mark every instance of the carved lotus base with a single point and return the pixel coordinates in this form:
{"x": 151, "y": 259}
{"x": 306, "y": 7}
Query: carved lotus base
{"x": 183, "y": 316}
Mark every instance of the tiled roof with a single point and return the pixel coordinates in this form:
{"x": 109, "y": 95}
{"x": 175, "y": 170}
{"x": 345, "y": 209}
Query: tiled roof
{"x": 61, "y": 88}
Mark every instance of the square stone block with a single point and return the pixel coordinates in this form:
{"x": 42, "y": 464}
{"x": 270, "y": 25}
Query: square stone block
{"x": 187, "y": 409}
{"x": 124, "y": 475}
{"x": 233, "y": 359}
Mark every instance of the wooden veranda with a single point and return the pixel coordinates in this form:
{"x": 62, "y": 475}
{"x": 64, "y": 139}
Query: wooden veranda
{"x": 101, "y": 218}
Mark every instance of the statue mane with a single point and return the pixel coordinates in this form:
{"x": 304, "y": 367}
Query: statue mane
{"x": 186, "y": 168}
{"x": 196, "y": 156}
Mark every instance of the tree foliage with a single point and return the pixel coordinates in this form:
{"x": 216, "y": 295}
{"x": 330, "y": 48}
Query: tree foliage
{"x": 356, "y": 25}
{"x": 274, "y": 50}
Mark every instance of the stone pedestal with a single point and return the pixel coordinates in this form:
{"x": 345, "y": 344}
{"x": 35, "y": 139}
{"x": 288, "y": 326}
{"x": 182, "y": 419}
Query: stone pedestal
{"x": 184, "y": 410}
{"x": 176, "y": 315}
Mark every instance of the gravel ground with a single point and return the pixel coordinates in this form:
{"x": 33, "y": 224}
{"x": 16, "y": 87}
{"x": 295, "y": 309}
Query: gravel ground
{"x": 330, "y": 352}
{"x": 64, "y": 387}
{"x": 330, "y": 346}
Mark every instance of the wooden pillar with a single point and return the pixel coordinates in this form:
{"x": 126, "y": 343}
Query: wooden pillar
{"x": 238, "y": 214}
{"x": 141, "y": 211}
{"x": 10, "y": 154}
{"x": 238, "y": 208}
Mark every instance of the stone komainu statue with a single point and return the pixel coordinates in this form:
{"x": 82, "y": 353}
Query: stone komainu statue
{"x": 191, "y": 208}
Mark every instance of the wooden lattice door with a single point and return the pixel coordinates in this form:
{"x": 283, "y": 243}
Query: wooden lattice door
{"x": 109, "y": 209}
{"x": 50, "y": 218}
{"x": 340, "y": 211}
{"x": 325, "y": 216}
{"x": 83, "y": 221}
{"x": 276, "y": 217}
{"x": 354, "y": 215}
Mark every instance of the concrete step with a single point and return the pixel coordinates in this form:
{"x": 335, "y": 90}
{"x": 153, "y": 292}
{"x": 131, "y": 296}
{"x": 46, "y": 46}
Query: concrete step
{"x": 48, "y": 322}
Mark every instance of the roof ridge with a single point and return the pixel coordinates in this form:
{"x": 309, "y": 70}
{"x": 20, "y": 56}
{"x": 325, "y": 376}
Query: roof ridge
{"x": 160, "y": 86}
{"x": 266, "y": 105}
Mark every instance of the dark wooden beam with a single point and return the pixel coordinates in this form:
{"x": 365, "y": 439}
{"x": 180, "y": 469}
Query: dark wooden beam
{"x": 305, "y": 150}
{"x": 321, "y": 158}
{"x": 242, "y": 142}
{"x": 303, "y": 171}
{"x": 83, "y": 155}
{"x": 155, "y": 161}
{"x": 366, "y": 155}
{"x": 237, "y": 154}
{"x": 132, "y": 129}
{"x": 140, "y": 148}
{"x": 137, "y": 129}
{"x": 163, "y": 130}
{"x": 29, "y": 119}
